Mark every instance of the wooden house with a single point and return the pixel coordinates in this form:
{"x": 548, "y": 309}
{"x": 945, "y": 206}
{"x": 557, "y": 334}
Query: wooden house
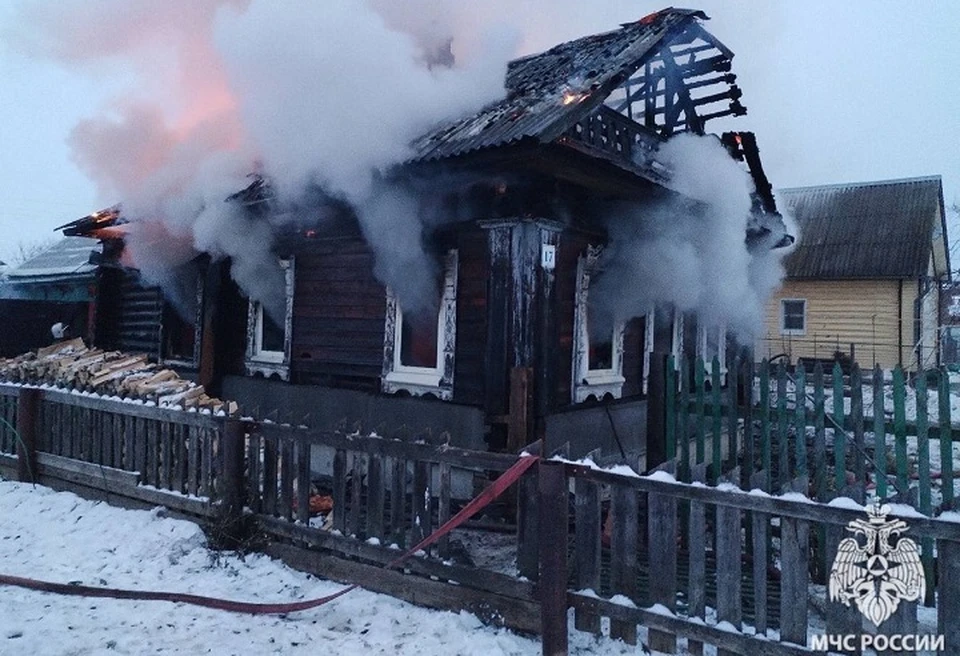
{"x": 863, "y": 283}
{"x": 508, "y": 356}
{"x": 56, "y": 286}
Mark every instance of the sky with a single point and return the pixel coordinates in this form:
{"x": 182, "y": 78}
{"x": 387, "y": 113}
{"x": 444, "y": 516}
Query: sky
{"x": 836, "y": 92}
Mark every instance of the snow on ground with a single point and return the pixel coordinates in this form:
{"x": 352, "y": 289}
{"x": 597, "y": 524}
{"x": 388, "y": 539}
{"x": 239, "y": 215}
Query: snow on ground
{"x": 57, "y": 536}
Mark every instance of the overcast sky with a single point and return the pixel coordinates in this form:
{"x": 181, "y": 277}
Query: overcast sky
{"x": 836, "y": 92}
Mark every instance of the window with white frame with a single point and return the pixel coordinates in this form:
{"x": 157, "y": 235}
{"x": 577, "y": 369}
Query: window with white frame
{"x": 712, "y": 343}
{"x": 793, "y": 316}
{"x": 269, "y": 336}
{"x": 418, "y": 354}
{"x": 597, "y": 358}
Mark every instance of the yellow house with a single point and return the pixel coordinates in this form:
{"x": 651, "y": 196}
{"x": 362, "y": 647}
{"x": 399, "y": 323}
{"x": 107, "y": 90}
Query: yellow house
{"x": 863, "y": 280}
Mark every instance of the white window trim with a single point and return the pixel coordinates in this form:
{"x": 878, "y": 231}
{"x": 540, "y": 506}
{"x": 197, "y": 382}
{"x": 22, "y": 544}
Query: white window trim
{"x": 587, "y": 382}
{"x": 704, "y": 352}
{"x": 420, "y": 381}
{"x": 676, "y": 342}
{"x": 648, "y": 346}
{"x": 271, "y": 363}
{"x": 783, "y": 315}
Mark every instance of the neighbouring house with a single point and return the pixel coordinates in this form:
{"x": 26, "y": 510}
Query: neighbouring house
{"x": 950, "y": 324}
{"x": 863, "y": 283}
{"x": 509, "y": 356}
{"x": 56, "y": 286}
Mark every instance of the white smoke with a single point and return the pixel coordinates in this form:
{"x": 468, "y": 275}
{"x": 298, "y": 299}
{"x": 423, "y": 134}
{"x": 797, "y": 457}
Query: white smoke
{"x": 690, "y": 255}
{"x": 309, "y": 94}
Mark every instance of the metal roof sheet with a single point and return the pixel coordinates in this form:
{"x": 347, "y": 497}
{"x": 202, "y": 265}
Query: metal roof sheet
{"x": 879, "y": 229}
{"x": 68, "y": 258}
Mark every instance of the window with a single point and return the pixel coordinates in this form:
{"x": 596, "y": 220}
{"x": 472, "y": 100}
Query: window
{"x": 418, "y": 354}
{"x": 598, "y": 358}
{"x": 268, "y": 340}
{"x": 712, "y": 342}
{"x": 793, "y": 316}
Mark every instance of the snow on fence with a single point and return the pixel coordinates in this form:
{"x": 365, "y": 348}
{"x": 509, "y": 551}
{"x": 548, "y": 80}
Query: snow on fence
{"x": 675, "y": 564}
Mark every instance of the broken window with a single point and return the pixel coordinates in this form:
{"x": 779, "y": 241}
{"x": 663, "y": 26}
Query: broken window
{"x": 598, "y": 350}
{"x": 268, "y": 336}
{"x": 793, "y": 316}
{"x": 419, "y": 350}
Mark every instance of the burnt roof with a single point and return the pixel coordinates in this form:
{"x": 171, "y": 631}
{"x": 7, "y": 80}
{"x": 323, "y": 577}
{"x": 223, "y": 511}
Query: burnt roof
{"x": 883, "y": 229}
{"x": 587, "y": 69}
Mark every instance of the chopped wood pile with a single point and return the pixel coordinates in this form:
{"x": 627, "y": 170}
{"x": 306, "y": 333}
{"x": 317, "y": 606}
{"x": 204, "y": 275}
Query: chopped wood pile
{"x": 71, "y": 364}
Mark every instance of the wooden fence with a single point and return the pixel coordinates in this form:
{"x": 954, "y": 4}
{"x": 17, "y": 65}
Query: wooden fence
{"x": 787, "y": 423}
{"x": 689, "y": 564}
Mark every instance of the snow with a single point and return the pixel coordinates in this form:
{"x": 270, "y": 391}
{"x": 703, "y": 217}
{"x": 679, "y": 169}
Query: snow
{"x": 60, "y": 537}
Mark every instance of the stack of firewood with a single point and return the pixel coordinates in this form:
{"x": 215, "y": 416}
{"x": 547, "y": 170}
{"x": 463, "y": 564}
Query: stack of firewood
{"x": 70, "y": 364}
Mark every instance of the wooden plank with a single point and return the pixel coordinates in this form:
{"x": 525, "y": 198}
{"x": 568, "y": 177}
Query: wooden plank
{"x": 717, "y": 424}
{"x": 839, "y": 436}
{"x": 553, "y": 558}
{"x": 700, "y": 390}
{"x": 732, "y": 416}
{"x": 254, "y": 466}
{"x": 166, "y": 455}
{"x": 623, "y": 555}
{"x": 794, "y": 579}
{"x": 841, "y": 619}
{"x": 99, "y": 403}
{"x": 153, "y": 453}
{"x": 670, "y": 409}
{"x": 783, "y": 420}
{"x": 339, "y": 491}
{"x": 900, "y": 429}
{"x": 303, "y": 482}
{"x": 457, "y": 457}
{"x": 206, "y": 463}
{"x": 271, "y": 457}
{"x": 662, "y": 537}
{"x": 193, "y": 461}
{"x": 697, "y": 566}
{"x": 420, "y": 510}
{"x": 398, "y": 487}
{"x": 948, "y": 594}
{"x": 375, "y": 497}
{"x": 923, "y": 471}
{"x": 52, "y": 465}
{"x": 443, "y": 509}
{"x": 765, "y": 450}
{"x": 946, "y": 445}
{"x": 141, "y": 455}
{"x": 181, "y": 459}
{"x": 879, "y": 434}
{"x": 749, "y": 439}
{"x": 287, "y": 469}
{"x": 819, "y": 436}
{"x": 800, "y": 422}
{"x": 527, "y": 529}
{"x": 683, "y": 421}
{"x": 859, "y": 447}
{"x": 728, "y": 552}
{"x": 787, "y": 507}
{"x": 587, "y": 547}
{"x": 761, "y": 539}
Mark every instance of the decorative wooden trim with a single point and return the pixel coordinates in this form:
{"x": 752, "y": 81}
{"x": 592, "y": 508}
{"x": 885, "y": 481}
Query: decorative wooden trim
{"x": 592, "y": 382}
{"x": 420, "y": 381}
{"x": 255, "y": 363}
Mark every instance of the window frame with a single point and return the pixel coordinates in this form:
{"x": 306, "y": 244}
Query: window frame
{"x": 258, "y": 360}
{"x": 420, "y": 381}
{"x": 783, "y": 317}
{"x": 587, "y": 382}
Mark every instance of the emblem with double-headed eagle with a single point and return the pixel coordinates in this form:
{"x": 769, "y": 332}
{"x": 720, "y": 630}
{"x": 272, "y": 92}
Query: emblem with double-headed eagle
{"x": 871, "y": 571}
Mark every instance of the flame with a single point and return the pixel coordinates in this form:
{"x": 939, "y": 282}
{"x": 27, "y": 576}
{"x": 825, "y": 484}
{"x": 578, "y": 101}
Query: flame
{"x": 570, "y": 97}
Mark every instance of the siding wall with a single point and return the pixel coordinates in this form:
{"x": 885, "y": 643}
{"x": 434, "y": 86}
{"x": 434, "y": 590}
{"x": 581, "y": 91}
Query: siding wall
{"x": 841, "y": 313}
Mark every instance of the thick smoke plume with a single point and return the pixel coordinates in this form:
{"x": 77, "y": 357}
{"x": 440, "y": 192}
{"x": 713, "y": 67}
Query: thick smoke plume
{"x": 689, "y": 251}
{"x": 312, "y": 95}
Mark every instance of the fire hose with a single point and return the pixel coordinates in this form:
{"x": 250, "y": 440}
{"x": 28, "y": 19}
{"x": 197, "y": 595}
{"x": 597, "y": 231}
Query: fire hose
{"x": 494, "y": 490}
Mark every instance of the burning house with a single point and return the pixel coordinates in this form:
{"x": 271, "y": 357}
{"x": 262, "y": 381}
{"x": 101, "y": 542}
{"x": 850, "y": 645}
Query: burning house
{"x": 526, "y": 316}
